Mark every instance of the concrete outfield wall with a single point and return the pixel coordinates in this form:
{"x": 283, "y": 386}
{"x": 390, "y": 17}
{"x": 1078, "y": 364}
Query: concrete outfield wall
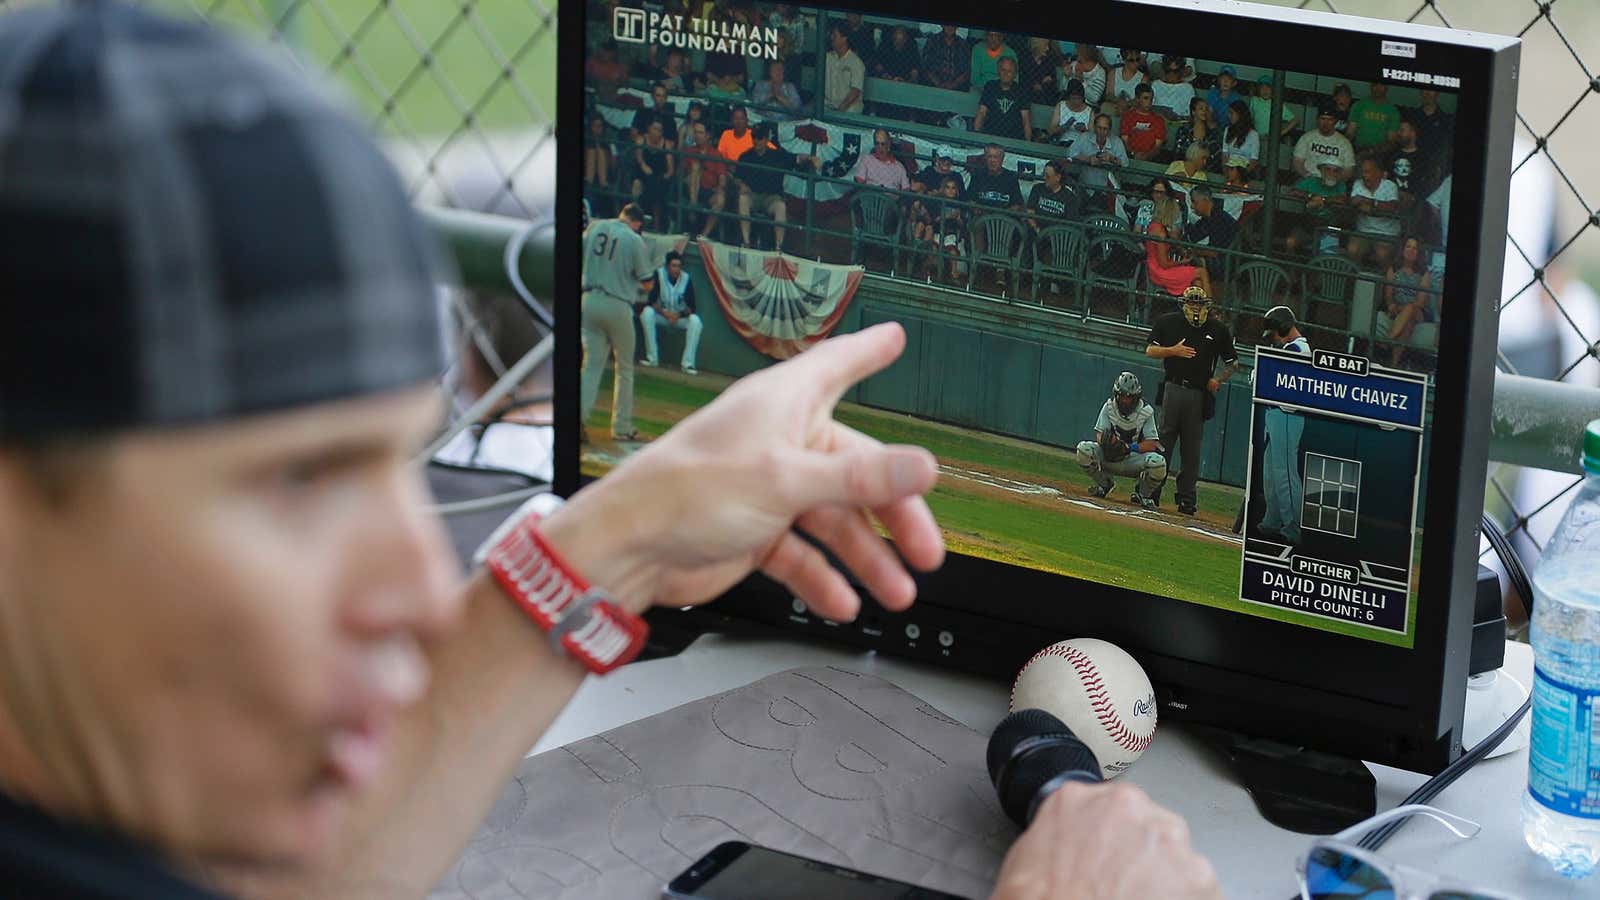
{"x": 983, "y": 365}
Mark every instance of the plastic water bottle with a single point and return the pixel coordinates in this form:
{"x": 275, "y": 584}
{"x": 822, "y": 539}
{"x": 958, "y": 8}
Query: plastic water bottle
{"x": 1561, "y": 808}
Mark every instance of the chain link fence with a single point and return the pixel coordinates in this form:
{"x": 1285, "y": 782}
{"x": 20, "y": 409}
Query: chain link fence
{"x": 463, "y": 93}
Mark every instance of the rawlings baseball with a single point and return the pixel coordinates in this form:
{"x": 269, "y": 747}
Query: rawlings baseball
{"x": 1098, "y": 690}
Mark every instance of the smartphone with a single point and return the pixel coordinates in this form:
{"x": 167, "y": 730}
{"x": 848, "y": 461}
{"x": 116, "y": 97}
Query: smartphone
{"x": 740, "y": 871}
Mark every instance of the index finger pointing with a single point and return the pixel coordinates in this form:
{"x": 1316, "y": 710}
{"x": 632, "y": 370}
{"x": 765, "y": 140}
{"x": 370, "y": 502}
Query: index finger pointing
{"x": 839, "y": 362}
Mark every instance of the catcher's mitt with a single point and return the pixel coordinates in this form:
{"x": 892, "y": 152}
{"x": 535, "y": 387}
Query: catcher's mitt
{"x": 1112, "y": 447}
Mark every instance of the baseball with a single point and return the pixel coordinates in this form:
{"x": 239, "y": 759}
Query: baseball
{"x": 1098, "y": 690}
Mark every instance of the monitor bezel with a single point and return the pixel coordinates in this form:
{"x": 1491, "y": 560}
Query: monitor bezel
{"x": 1379, "y": 703}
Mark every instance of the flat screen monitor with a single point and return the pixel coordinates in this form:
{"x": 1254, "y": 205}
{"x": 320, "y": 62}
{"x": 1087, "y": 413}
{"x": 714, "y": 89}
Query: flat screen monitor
{"x": 1275, "y": 513}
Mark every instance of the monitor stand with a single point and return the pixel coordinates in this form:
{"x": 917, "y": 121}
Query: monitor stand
{"x": 1297, "y": 788}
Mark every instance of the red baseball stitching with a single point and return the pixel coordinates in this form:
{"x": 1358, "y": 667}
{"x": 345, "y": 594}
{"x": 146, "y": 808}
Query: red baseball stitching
{"x": 1099, "y": 700}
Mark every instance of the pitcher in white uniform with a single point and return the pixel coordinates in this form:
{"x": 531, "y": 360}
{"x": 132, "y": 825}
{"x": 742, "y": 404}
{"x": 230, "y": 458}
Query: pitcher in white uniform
{"x": 672, "y": 303}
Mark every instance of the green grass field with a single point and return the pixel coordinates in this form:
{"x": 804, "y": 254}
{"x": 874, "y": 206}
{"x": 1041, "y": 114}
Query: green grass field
{"x": 1151, "y": 554}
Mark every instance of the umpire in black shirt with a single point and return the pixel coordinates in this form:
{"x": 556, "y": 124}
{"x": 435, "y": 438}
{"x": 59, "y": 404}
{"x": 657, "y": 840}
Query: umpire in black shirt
{"x": 1189, "y": 344}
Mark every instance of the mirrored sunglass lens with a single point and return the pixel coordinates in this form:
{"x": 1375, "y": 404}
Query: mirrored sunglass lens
{"x": 1334, "y": 875}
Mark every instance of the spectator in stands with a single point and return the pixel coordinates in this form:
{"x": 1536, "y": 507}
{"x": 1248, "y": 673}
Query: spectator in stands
{"x": 897, "y": 59}
{"x": 724, "y": 88}
{"x": 652, "y": 173}
{"x": 1172, "y": 94}
{"x": 706, "y": 183}
{"x": 986, "y": 58}
{"x": 1102, "y": 154}
{"x": 845, "y": 74}
{"x": 598, "y": 164}
{"x": 993, "y": 184}
{"x": 1125, "y": 80}
{"x": 790, "y": 24}
{"x": 1238, "y": 197}
{"x": 1415, "y": 172}
{"x": 880, "y": 168}
{"x": 1435, "y": 128}
{"x": 1325, "y": 144}
{"x": 861, "y": 36}
{"x": 695, "y": 112}
{"x": 942, "y": 166}
{"x": 1407, "y": 302}
{"x": 1054, "y": 200}
{"x": 1377, "y": 203}
{"x": 947, "y": 61}
{"x": 1342, "y": 101}
{"x": 1073, "y": 119}
{"x": 1323, "y": 194}
{"x": 1003, "y": 108}
{"x": 1261, "y": 110}
{"x": 1239, "y": 139}
{"x": 1212, "y": 227}
{"x": 1376, "y": 121}
{"x": 1143, "y": 131}
{"x": 1086, "y": 68}
{"x": 1199, "y": 129}
{"x": 950, "y": 224}
{"x": 659, "y": 110}
{"x": 604, "y": 72}
{"x": 674, "y": 73}
{"x": 1038, "y": 71}
{"x": 777, "y": 94}
{"x": 1224, "y": 93}
{"x": 1158, "y": 191}
{"x": 1190, "y": 169}
{"x": 760, "y": 174}
{"x": 737, "y": 138}
{"x": 1168, "y": 267}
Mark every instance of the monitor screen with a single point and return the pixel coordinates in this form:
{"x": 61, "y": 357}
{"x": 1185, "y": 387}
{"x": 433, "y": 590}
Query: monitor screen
{"x": 1173, "y": 321}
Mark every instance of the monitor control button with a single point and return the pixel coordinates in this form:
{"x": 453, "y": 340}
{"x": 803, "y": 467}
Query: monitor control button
{"x": 798, "y": 605}
{"x": 946, "y": 639}
{"x": 913, "y": 631}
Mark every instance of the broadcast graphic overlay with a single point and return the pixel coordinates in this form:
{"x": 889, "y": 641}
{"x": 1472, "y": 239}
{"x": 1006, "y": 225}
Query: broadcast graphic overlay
{"x": 1336, "y": 456}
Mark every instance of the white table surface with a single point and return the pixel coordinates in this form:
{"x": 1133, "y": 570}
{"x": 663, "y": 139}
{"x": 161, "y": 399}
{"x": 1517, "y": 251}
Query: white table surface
{"x": 1254, "y": 859}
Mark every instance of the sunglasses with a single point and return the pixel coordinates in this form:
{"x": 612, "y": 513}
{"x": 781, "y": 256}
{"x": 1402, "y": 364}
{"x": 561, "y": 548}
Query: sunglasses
{"x": 1335, "y": 868}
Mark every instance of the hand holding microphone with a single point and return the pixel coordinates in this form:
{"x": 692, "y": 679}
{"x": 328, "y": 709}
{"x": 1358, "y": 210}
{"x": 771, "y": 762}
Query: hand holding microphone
{"x": 1084, "y": 839}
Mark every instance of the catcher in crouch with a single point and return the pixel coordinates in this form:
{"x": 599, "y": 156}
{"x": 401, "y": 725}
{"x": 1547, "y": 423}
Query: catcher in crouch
{"x": 1125, "y": 443}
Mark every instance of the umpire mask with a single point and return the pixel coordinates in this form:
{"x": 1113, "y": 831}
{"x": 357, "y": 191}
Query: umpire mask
{"x": 1196, "y": 306}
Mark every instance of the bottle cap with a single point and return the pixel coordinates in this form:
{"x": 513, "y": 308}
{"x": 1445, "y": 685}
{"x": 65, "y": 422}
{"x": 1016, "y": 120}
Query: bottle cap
{"x": 1591, "y": 447}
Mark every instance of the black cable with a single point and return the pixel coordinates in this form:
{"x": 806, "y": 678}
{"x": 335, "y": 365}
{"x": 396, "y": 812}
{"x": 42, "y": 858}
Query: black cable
{"x": 1517, "y": 574}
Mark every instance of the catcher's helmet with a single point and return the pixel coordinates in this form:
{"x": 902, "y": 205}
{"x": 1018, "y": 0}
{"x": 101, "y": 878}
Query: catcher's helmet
{"x": 1128, "y": 393}
{"x": 1196, "y": 305}
{"x": 1278, "y": 320}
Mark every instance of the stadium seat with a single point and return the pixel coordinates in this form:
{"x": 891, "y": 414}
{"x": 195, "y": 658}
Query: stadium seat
{"x": 1263, "y": 285}
{"x": 875, "y": 220}
{"x": 1060, "y": 254}
{"x": 1116, "y": 261}
{"x": 997, "y": 242}
{"x": 1329, "y": 281}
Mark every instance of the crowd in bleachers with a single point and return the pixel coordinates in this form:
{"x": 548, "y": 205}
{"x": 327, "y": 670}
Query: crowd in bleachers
{"x": 1170, "y": 160}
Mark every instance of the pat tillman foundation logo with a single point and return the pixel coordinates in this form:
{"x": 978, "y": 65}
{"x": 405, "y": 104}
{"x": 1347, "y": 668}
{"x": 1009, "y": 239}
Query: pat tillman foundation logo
{"x": 712, "y": 35}
{"x": 628, "y": 25}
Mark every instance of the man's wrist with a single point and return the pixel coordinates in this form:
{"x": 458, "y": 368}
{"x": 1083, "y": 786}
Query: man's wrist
{"x": 602, "y": 542}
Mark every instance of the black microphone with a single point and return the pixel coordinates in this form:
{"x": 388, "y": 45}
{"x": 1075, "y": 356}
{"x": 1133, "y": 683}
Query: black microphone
{"x": 1031, "y": 755}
